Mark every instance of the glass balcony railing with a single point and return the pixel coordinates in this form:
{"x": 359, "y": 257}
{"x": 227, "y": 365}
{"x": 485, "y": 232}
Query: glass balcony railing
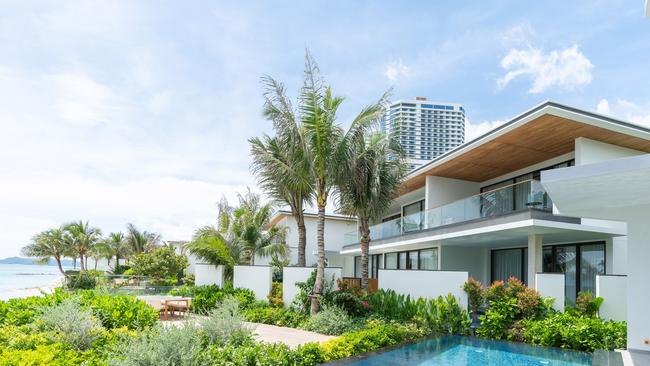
{"x": 515, "y": 197}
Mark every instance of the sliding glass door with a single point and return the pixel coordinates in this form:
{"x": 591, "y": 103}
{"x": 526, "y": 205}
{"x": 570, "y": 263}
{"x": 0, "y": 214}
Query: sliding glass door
{"x": 508, "y": 263}
{"x": 580, "y": 264}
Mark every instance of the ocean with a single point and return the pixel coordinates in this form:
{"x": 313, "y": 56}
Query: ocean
{"x": 16, "y": 278}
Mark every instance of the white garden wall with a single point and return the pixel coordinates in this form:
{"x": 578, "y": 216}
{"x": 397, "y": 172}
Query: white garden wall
{"x": 207, "y": 274}
{"x": 551, "y": 285}
{"x": 425, "y": 283}
{"x": 255, "y": 278}
{"x": 293, "y": 275}
{"x": 613, "y": 289}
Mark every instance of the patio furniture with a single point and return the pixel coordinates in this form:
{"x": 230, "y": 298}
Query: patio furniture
{"x": 172, "y": 305}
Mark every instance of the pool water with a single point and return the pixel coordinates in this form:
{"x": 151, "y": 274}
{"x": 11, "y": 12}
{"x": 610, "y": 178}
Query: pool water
{"x": 469, "y": 351}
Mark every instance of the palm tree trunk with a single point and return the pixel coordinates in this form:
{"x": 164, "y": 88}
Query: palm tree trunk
{"x": 320, "y": 267}
{"x": 117, "y": 261}
{"x": 364, "y": 233}
{"x": 58, "y": 263}
{"x": 95, "y": 264}
{"x": 74, "y": 263}
{"x": 302, "y": 238}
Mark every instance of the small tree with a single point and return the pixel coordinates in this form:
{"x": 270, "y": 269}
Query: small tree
{"x": 160, "y": 263}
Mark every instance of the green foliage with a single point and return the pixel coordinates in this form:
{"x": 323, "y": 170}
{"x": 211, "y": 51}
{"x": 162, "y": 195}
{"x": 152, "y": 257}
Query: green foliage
{"x": 498, "y": 318}
{"x": 302, "y": 301}
{"x": 207, "y": 297}
{"x": 162, "y": 346}
{"x": 116, "y": 311}
{"x": 120, "y": 269}
{"x": 159, "y": 263}
{"x": 267, "y": 354}
{"x": 587, "y": 304}
{"x": 225, "y": 325}
{"x": 331, "y": 320}
{"x": 377, "y": 335}
{"x": 475, "y": 293}
{"x": 81, "y": 281}
{"x": 71, "y": 324}
{"x": 275, "y": 297}
{"x": 442, "y": 315}
{"x": 390, "y": 305}
{"x": 351, "y": 299}
{"x": 22, "y": 311}
{"x": 282, "y": 317}
{"x": 575, "y": 332}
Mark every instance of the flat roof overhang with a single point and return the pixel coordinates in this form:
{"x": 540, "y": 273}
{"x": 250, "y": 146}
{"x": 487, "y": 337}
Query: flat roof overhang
{"x": 544, "y": 132}
{"x": 599, "y": 190}
{"x": 502, "y": 231}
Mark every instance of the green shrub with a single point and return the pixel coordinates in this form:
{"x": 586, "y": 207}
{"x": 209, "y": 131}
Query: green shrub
{"x": 575, "y": 332}
{"x": 377, "y": 335}
{"x": 302, "y": 301}
{"x": 70, "y": 323}
{"x": 351, "y": 299}
{"x": 442, "y": 315}
{"x": 162, "y": 346}
{"x": 160, "y": 263}
{"x": 587, "y": 304}
{"x": 25, "y": 310}
{"x": 267, "y": 354}
{"x": 115, "y": 311}
{"x": 331, "y": 320}
{"x": 275, "y": 297}
{"x": 81, "y": 281}
{"x": 225, "y": 325}
{"x": 475, "y": 293}
{"x": 207, "y": 297}
{"x": 498, "y": 318}
{"x": 282, "y": 317}
{"x": 390, "y": 305}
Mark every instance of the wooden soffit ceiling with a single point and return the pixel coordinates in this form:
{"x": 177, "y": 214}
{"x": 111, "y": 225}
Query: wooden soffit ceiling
{"x": 541, "y": 139}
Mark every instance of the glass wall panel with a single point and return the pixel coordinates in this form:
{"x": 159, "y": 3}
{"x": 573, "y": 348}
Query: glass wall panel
{"x": 412, "y": 260}
{"x": 522, "y": 192}
{"x": 429, "y": 259}
{"x": 565, "y": 262}
{"x": 412, "y": 216}
{"x": 497, "y": 199}
{"x": 390, "y": 260}
{"x": 592, "y": 263}
{"x": 402, "y": 260}
{"x": 357, "y": 266}
{"x": 507, "y": 263}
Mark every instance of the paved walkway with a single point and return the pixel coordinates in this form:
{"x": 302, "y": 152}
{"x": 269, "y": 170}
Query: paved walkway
{"x": 290, "y": 336}
{"x": 270, "y": 333}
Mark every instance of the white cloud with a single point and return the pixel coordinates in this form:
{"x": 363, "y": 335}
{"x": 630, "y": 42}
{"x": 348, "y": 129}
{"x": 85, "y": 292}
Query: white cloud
{"x": 566, "y": 69}
{"x": 474, "y": 130}
{"x": 396, "y": 70}
{"x": 518, "y": 34}
{"x": 626, "y": 110}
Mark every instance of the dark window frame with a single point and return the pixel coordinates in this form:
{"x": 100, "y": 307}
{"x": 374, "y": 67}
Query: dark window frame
{"x": 578, "y": 247}
{"x": 417, "y": 260}
{"x": 524, "y": 261}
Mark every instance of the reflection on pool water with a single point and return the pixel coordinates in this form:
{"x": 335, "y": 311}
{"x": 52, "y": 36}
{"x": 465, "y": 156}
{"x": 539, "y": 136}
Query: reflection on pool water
{"x": 469, "y": 351}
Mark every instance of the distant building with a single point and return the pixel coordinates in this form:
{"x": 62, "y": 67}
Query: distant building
{"x": 424, "y": 128}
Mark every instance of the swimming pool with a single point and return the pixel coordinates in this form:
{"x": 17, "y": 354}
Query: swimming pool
{"x": 470, "y": 351}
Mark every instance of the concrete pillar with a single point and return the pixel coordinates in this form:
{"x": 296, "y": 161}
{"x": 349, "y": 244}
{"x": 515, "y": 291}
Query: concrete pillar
{"x": 534, "y": 258}
{"x": 638, "y": 279}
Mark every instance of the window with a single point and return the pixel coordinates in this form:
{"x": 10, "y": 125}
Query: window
{"x": 423, "y": 259}
{"x": 412, "y": 216}
{"x": 508, "y": 263}
{"x": 374, "y": 264}
{"x": 580, "y": 264}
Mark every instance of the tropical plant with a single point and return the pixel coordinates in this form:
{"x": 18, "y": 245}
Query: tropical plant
{"x": 71, "y": 324}
{"x": 331, "y": 320}
{"x": 48, "y": 244}
{"x": 225, "y": 324}
{"x": 475, "y": 294}
{"x": 160, "y": 263}
{"x": 140, "y": 241}
{"x": 281, "y": 163}
{"x": 250, "y": 224}
{"x": 82, "y": 239}
{"x": 210, "y": 245}
{"x": 587, "y": 304}
{"x": 116, "y": 247}
{"x": 372, "y": 169}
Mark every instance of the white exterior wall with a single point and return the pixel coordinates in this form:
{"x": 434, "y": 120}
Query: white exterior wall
{"x": 613, "y": 289}
{"x": 334, "y": 232}
{"x": 293, "y": 275}
{"x": 427, "y": 284}
{"x": 551, "y": 285}
{"x": 255, "y": 278}
{"x": 441, "y": 191}
{"x": 414, "y": 196}
{"x": 471, "y": 260}
{"x": 590, "y": 151}
{"x": 207, "y": 274}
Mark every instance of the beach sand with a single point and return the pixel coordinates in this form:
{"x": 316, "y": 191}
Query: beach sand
{"x": 32, "y": 291}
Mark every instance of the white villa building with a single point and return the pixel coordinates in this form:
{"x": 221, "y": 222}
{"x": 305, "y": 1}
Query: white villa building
{"x": 484, "y": 210}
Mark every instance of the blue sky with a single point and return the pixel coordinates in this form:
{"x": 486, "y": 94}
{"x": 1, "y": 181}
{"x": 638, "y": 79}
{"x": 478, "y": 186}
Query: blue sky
{"x": 124, "y": 111}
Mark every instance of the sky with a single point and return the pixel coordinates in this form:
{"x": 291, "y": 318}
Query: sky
{"x": 124, "y": 111}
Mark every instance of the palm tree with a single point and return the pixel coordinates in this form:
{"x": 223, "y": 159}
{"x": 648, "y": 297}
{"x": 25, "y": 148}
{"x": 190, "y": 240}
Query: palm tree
{"x": 318, "y": 107}
{"x": 48, "y": 244}
{"x": 250, "y": 225}
{"x": 281, "y": 163}
{"x": 368, "y": 183}
{"x": 82, "y": 238}
{"x": 116, "y": 247}
{"x": 209, "y": 245}
{"x": 140, "y": 241}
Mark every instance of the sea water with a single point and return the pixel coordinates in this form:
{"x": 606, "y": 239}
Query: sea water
{"x": 27, "y": 276}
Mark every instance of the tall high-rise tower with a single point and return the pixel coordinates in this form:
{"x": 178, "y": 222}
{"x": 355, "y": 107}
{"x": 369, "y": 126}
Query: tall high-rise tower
{"x": 425, "y": 129}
